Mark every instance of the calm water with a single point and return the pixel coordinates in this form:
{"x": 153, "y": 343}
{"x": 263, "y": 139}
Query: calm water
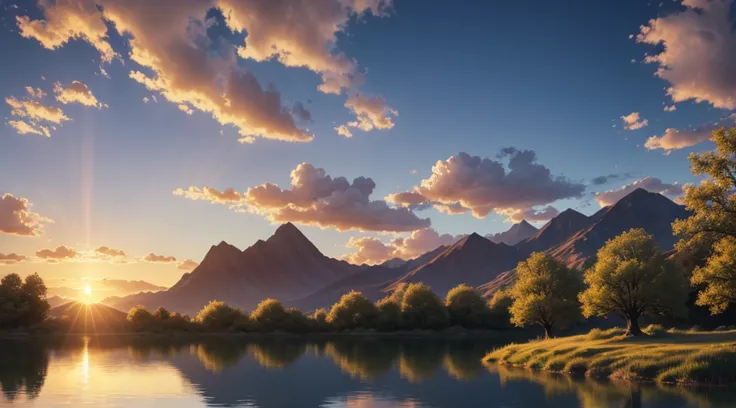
{"x": 107, "y": 372}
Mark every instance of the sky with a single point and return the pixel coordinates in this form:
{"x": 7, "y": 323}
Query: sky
{"x": 139, "y": 133}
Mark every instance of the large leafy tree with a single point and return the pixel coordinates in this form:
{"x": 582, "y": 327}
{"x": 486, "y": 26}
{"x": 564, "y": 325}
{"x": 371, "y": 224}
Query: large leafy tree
{"x": 545, "y": 293}
{"x": 713, "y": 223}
{"x": 22, "y": 303}
{"x": 421, "y": 308}
{"x": 632, "y": 278}
{"x": 467, "y": 307}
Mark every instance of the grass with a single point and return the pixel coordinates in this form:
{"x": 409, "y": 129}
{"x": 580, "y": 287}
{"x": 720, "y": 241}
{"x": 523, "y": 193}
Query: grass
{"x": 663, "y": 356}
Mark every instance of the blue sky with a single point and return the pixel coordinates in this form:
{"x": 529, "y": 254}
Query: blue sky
{"x": 475, "y": 77}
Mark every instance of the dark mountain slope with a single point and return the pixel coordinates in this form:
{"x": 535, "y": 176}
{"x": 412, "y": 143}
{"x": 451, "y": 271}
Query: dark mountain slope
{"x": 515, "y": 234}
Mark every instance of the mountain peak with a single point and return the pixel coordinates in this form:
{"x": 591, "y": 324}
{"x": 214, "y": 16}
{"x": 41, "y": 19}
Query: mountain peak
{"x": 289, "y": 236}
{"x": 524, "y": 223}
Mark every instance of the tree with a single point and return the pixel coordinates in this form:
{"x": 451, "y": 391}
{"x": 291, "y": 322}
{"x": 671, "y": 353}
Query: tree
{"x": 218, "y": 315}
{"x": 269, "y": 315}
{"x": 545, "y": 293}
{"x": 421, "y": 308}
{"x": 717, "y": 277}
{"x": 633, "y": 278}
{"x": 139, "y": 316}
{"x": 318, "y": 320}
{"x": 22, "y": 303}
{"x": 500, "y": 304}
{"x": 389, "y": 314}
{"x": 161, "y": 313}
{"x": 713, "y": 224}
{"x": 353, "y": 310}
{"x": 467, "y": 307}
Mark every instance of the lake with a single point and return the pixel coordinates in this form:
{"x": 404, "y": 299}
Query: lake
{"x": 280, "y": 372}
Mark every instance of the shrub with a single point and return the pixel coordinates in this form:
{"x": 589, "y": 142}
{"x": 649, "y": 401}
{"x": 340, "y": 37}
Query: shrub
{"x": 269, "y": 315}
{"x": 296, "y": 322}
{"x": 161, "y": 313}
{"x": 499, "y": 306}
{"x": 217, "y": 315}
{"x": 354, "y": 310}
{"x": 421, "y": 308}
{"x": 467, "y": 307}
{"x": 389, "y": 314}
{"x": 318, "y": 320}
{"x": 139, "y": 316}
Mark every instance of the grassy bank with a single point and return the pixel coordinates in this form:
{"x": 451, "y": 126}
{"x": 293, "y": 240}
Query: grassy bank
{"x": 664, "y": 356}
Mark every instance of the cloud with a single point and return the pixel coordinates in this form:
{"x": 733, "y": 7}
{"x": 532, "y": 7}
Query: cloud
{"x": 301, "y": 113}
{"x": 126, "y": 287}
{"x": 114, "y": 253}
{"x": 16, "y": 217}
{"x": 35, "y": 93}
{"x": 469, "y": 183}
{"x": 373, "y": 251}
{"x": 228, "y": 196}
{"x": 187, "y": 265}
{"x": 59, "y": 254}
{"x": 317, "y": 199}
{"x": 674, "y": 139}
{"x": 10, "y": 259}
{"x": 76, "y": 92}
{"x": 301, "y": 33}
{"x": 651, "y": 184}
{"x": 184, "y": 108}
{"x": 670, "y": 108}
{"x": 33, "y": 117}
{"x": 371, "y": 113}
{"x": 600, "y": 180}
{"x": 529, "y": 214}
{"x": 344, "y": 131}
{"x": 186, "y": 65}
{"x": 153, "y": 258}
{"x": 23, "y": 128}
{"x": 67, "y": 20}
{"x": 632, "y": 121}
{"x": 696, "y": 52}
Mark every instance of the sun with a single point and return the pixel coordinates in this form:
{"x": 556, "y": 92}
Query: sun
{"x": 87, "y": 292}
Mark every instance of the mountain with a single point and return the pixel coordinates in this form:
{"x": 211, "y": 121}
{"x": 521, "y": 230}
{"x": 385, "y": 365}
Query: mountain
{"x": 515, "y": 234}
{"x": 286, "y": 266}
{"x": 556, "y": 231}
{"x": 90, "y": 317}
{"x": 56, "y": 300}
{"x": 653, "y": 212}
{"x": 473, "y": 260}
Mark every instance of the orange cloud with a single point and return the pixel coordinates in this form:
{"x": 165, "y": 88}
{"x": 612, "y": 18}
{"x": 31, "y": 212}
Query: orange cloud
{"x": 696, "y": 52}
{"x": 373, "y": 251}
{"x": 16, "y": 217}
{"x": 633, "y": 121}
{"x": 153, "y": 258}
{"x": 529, "y": 214}
{"x": 371, "y": 113}
{"x": 76, "y": 92}
{"x": 11, "y": 259}
{"x": 187, "y": 265}
{"x": 115, "y": 253}
{"x": 317, "y": 199}
{"x": 651, "y": 184}
{"x": 61, "y": 253}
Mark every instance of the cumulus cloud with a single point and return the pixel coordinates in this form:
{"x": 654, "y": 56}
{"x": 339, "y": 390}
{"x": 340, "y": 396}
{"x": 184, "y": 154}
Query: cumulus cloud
{"x": 114, "y": 253}
{"x": 213, "y": 195}
{"x": 371, "y": 113}
{"x": 470, "y": 183}
{"x": 61, "y": 253}
{"x": 344, "y": 131}
{"x": 76, "y": 92}
{"x": 674, "y": 139}
{"x": 153, "y": 258}
{"x": 369, "y": 250}
{"x": 633, "y": 121}
{"x": 651, "y": 184}
{"x": 529, "y": 214}
{"x": 316, "y": 198}
{"x": 186, "y": 109}
{"x": 670, "y": 108}
{"x": 187, "y": 265}
{"x": 32, "y": 116}
{"x": 10, "y": 259}
{"x": 16, "y": 217}
{"x": 35, "y": 93}
{"x": 696, "y": 52}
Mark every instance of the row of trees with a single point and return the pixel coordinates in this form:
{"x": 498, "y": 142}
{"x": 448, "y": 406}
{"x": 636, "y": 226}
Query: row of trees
{"x": 22, "y": 303}
{"x": 410, "y": 307}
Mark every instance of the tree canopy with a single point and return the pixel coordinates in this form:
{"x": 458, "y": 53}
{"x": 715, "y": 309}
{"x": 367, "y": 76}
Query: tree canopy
{"x": 22, "y": 303}
{"x": 467, "y": 307}
{"x": 712, "y": 227}
{"x": 631, "y": 278}
{"x": 352, "y": 311}
{"x": 421, "y": 308}
{"x": 545, "y": 293}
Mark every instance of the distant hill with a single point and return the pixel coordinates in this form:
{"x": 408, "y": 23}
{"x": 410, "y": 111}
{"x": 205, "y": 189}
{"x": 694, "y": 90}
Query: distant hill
{"x": 90, "y": 318}
{"x": 515, "y": 234}
{"x": 556, "y": 231}
{"x": 57, "y": 300}
{"x": 286, "y": 266}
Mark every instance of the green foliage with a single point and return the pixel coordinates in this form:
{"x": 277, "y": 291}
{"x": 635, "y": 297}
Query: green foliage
{"x": 269, "y": 315}
{"x": 632, "y": 278}
{"x": 318, "y": 320}
{"x": 545, "y": 293}
{"x": 499, "y": 306}
{"x": 421, "y": 308}
{"x": 717, "y": 277}
{"x": 161, "y": 313}
{"x": 218, "y": 315}
{"x": 389, "y": 314}
{"x": 139, "y": 316}
{"x": 353, "y": 310}
{"x": 296, "y": 322}
{"x": 467, "y": 307}
{"x": 22, "y": 303}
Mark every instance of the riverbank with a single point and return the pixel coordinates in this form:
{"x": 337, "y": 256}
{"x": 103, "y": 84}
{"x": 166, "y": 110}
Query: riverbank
{"x": 664, "y": 356}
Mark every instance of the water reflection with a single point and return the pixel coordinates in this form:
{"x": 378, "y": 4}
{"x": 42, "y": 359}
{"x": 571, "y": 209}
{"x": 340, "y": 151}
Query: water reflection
{"x": 282, "y": 372}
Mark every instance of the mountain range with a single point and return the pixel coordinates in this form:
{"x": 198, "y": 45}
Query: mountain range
{"x": 288, "y": 267}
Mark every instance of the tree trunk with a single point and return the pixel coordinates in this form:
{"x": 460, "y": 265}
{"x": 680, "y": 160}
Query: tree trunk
{"x": 632, "y": 325}
{"x": 547, "y": 331}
